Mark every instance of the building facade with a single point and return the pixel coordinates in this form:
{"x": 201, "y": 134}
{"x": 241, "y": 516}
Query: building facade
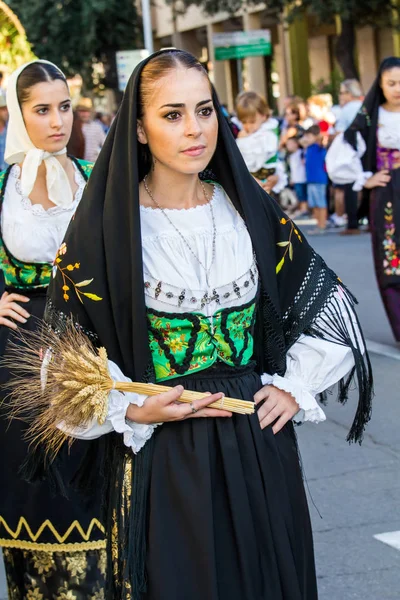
{"x": 302, "y": 59}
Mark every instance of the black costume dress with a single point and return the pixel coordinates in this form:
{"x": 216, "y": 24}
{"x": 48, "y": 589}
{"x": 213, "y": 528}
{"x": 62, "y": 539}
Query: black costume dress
{"x": 208, "y": 508}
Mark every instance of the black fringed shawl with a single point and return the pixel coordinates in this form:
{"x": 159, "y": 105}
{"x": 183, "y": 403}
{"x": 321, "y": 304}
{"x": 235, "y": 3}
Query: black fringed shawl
{"x": 103, "y": 250}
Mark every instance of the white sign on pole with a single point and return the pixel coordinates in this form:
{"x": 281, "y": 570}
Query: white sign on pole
{"x": 127, "y": 61}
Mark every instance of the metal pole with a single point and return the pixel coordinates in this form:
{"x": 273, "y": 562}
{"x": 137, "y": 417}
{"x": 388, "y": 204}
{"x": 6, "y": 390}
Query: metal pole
{"x": 147, "y": 28}
{"x": 239, "y": 67}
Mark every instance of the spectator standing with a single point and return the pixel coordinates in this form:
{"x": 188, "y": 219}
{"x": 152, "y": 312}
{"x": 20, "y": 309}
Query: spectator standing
{"x": 297, "y": 168}
{"x": 317, "y": 178}
{"x": 92, "y": 130}
{"x": 76, "y": 144}
{"x": 292, "y": 126}
{"x": 350, "y": 98}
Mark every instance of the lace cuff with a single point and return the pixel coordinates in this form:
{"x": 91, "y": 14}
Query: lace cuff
{"x": 309, "y": 407}
{"x": 361, "y": 179}
{"x": 135, "y": 434}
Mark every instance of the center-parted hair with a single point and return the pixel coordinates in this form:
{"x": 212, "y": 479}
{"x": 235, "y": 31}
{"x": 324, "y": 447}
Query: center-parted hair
{"x": 37, "y": 72}
{"x": 158, "y": 67}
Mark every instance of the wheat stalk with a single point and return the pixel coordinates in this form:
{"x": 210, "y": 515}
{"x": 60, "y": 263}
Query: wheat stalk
{"x": 71, "y": 386}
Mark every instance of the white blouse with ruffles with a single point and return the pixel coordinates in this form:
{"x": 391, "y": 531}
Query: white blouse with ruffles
{"x": 313, "y": 365}
{"x": 388, "y": 129}
{"x": 31, "y": 233}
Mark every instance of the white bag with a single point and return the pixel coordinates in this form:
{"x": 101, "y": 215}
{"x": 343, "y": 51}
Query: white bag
{"x": 343, "y": 163}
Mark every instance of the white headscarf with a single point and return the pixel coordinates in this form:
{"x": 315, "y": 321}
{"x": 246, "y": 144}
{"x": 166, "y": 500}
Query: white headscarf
{"x": 19, "y": 148}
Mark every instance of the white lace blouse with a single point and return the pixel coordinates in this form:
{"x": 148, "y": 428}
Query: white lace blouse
{"x": 313, "y": 365}
{"x": 389, "y": 129}
{"x": 30, "y": 232}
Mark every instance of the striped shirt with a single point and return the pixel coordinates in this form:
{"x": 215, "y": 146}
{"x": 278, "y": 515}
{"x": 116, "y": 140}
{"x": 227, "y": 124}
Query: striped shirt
{"x": 94, "y": 139}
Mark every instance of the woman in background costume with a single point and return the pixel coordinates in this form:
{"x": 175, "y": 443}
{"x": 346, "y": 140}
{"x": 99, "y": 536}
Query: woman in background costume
{"x": 378, "y": 122}
{"x": 52, "y": 547}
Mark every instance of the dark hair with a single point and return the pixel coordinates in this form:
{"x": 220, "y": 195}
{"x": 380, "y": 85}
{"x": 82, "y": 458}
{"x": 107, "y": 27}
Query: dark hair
{"x": 159, "y": 66}
{"x": 294, "y": 138}
{"x": 392, "y": 62}
{"x": 154, "y": 70}
{"x": 314, "y": 130}
{"x": 36, "y": 73}
{"x": 294, "y": 109}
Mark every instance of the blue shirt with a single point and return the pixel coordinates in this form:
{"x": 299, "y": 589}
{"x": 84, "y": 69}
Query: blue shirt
{"x": 315, "y": 164}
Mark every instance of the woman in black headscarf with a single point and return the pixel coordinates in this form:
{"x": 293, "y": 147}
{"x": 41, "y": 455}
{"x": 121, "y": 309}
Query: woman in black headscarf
{"x": 379, "y": 124}
{"x": 182, "y": 267}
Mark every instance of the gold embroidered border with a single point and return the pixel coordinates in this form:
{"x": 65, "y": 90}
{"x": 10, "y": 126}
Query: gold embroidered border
{"x": 47, "y": 524}
{"x": 21, "y": 545}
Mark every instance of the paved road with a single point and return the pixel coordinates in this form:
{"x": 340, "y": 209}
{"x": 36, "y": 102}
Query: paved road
{"x": 356, "y": 489}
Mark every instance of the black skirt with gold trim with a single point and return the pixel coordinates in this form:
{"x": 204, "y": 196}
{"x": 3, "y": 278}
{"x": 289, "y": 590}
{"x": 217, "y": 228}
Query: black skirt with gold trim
{"x": 34, "y": 517}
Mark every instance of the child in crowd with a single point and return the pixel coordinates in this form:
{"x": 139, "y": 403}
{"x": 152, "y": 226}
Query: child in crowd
{"x": 258, "y": 141}
{"x": 320, "y": 110}
{"x": 317, "y": 178}
{"x": 297, "y": 170}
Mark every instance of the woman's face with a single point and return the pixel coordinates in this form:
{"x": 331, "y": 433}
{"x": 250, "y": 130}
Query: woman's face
{"x": 48, "y": 115}
{"x": 180, "y": 124}
{"x": 253, "y": 124}
{"x": 291, "y": 116}
{"x": 390, "y": 83}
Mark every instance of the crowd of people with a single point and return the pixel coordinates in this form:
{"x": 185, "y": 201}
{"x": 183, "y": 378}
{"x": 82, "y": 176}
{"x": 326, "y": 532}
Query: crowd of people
{"x": 176, "y": 260}
{"x": 287, "y": 154}
{"x": 336, "y": 175}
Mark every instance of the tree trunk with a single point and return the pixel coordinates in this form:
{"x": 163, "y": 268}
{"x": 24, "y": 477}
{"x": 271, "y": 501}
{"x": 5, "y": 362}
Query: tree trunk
{"x": 344, "y": 51}
{"x": 109, "y": 60}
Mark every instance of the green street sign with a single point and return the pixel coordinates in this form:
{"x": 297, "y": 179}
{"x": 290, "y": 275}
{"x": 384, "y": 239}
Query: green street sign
{"x": 226, "y": 53}
{"x": 241, "y": 44}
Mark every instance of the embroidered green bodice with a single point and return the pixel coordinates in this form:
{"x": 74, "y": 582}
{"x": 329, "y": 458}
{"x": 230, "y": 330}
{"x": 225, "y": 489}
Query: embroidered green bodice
{"x": 190, "y": 342}
{"x": 24, "y": 275}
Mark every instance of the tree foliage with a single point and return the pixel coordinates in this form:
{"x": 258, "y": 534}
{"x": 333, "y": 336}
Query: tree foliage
{"x": 77, "y": 34}
{"x": 14, "y": 47}
{"x": 377, "y": 13}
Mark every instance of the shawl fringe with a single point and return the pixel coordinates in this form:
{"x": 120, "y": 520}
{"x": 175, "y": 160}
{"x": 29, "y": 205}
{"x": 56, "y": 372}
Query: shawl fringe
{"x": 317, "y": 311}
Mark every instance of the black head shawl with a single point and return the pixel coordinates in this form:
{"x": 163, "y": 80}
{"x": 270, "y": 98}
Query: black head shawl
{"x": 103, "y": 250}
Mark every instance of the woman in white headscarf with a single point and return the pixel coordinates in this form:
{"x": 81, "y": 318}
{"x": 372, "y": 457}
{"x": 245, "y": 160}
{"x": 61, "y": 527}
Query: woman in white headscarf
{"x": 52, "y": 546}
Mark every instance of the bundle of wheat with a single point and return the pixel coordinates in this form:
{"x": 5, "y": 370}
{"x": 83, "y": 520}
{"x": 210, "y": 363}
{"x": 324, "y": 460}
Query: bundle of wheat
{"x": 61, "y": 383}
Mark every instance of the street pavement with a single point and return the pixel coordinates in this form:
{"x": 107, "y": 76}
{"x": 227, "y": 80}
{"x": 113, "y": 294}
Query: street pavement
{"x": 354, "y": 491}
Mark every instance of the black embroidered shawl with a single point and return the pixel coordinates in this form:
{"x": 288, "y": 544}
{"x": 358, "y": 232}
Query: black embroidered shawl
{"x": 102, "y": 257}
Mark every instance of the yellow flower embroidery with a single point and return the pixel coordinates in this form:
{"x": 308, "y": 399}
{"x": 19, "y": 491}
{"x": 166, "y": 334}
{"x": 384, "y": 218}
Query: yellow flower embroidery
{"x": 34, "y": 594}
{"x": 68, "y": 283}
{"x": 177, "y": 344}
{"x": 63, "y": 593}
{"x": 288, "y": 244}
{"x": 76, "y": 563}
{"x": 43, "y": 562}
{"x": 99, "y": 595}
